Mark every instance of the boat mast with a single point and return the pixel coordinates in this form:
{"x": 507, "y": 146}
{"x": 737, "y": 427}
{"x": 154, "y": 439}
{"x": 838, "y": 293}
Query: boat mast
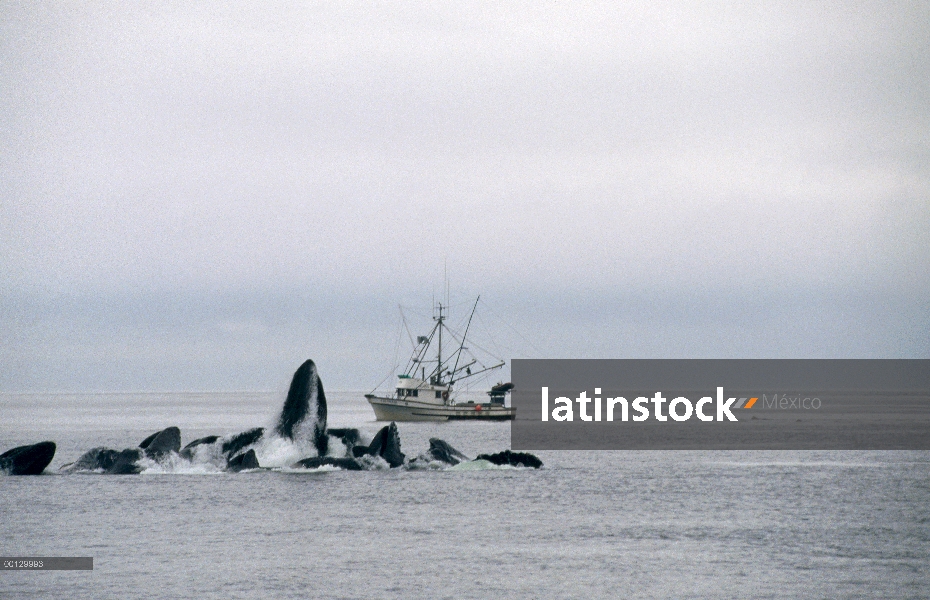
{"x": 459, "y": 354}
{"x": 439, "y": 351}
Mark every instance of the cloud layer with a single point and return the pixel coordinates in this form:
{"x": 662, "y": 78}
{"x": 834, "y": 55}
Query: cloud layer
{"x": 563, "y": 159}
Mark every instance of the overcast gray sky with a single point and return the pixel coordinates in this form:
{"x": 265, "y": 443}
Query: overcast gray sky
{"x": 200, "y": 197}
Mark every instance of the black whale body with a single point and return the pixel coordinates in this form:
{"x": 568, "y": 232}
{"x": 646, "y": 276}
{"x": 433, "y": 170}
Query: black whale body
{"x": 145, "y": 443}
{"x": 246, "y": 460}
{"x": 385, "y": 444}
{"x": 444, "y": 452}
{"x": 315, "y": 462}
{"x": 232, "y": 445}
{"x": 126, "y": 463}
{"x": 157, "y": 446}
{"x": 348, "y": 436}
{"x": 95, "y": 459}
{"x": 27, "y": 460}
{"x": 210, "y": 439}
{"x": 162, "y": 443}
{"x": 305, "y": 398}
{"x": 514, "y": 459}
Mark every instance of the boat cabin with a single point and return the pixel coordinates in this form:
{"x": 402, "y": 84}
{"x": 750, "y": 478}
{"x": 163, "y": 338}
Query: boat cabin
{"x": 408, "y": 386}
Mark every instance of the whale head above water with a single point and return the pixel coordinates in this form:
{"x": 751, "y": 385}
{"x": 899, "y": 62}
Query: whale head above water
{"x": 27, "y": 460}
{"x": 305, "y": 400}
{"x": 303, "y": 415}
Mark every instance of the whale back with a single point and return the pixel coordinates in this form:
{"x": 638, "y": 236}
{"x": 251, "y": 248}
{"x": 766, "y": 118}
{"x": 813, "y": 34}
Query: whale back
{"x": 315, "y": 462}
{"x": 514, "y": 459}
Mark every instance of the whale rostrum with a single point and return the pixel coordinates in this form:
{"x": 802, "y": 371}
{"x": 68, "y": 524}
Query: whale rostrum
{"x": 237, "y": 442}
{"x": 27, "y": 460}
{"x": 385, "y": 444}
{"x": 96, "y": 459}
{"x": 302, "y": 421}
{"x": 246, "y": 460}
{"x": 162, "y": 443}
{"x": 443, "y": 452}
{"x": 305, "y": 398}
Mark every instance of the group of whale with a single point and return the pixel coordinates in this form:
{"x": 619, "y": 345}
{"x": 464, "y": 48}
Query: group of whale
{"x": 302, "y": 420}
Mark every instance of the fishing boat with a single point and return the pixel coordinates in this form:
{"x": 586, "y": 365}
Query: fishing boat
{"x": 425, "y": 388}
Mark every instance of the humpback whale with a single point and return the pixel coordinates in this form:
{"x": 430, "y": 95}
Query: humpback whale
{"x": 305, "y": 404}
{"x": 98, "y": 458}
{"x": 304, "y": 398}
{"x": 126, "y": 463}
{"x": 349, "y": 437}
{"x": 443, "y": 452}
{"x": 246, "y": 460}
{"x": 145, "y": 443}
{"x": 162, "y": 443}
{"x": 315, "y": 462}
{"x": 302, "y": 416}
{"x": 514, "y": 459}
{"x": 232, "y": 445}
{"x": 157, "y": 446}
{"x": 385, "y": 444}
{"x": 27, "y": 460}
{"x": 188, "y": 451}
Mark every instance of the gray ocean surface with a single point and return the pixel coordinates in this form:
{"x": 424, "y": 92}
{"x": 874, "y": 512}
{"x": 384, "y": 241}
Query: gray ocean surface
{"x": 590, "y": 524}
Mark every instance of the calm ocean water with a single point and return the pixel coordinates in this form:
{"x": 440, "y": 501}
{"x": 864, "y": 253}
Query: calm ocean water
{"x": 589, "y": 524}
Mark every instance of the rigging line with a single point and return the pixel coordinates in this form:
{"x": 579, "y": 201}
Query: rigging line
{"x": 471, "y": 344}
{"x": 486, "y": 351}
{"x": 458, "y": 326}
{"x": 498, "y": 352}
{"x": 462, "y": 349}
{"x": 455, "y": 353}
{"x": 404, "y": 321}
{"x": 419, "y": 357}
{"x": 391, "y": 372}
{"x": 461, "y": 304}
{"x": 413, "y": 310}
{"x": 514, "y": 329}
{"x": 397, "y": 338}
{"x": 487, "y": 332}
{"x": 419, "y": 350}
{"x": 400, "y": 332}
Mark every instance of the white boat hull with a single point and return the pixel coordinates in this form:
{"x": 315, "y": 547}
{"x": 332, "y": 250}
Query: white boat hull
{"x": 408, "y": 409}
